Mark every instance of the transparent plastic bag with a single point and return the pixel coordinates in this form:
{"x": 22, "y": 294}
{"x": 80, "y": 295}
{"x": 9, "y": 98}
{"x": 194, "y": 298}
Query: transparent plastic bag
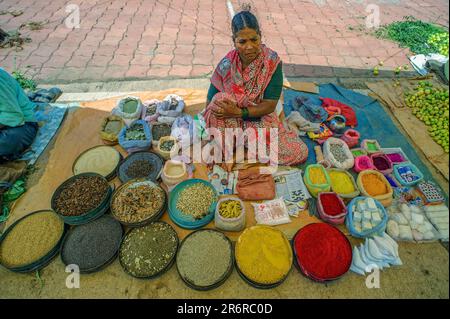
{"x": 126, "y": 114}
{"x": 183, "y": 130}
{"x": 273, "y": 212}
{"x": 172, "y": 106}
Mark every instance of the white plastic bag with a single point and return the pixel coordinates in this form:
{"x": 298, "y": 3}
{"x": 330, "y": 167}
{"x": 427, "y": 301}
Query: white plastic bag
{"x": 349, "y": 160}
{"x": 230, "y": 224}
{"x": 183, "y": 130}
{"x": 273, "y": 212}
{"x": 128, "y": 117}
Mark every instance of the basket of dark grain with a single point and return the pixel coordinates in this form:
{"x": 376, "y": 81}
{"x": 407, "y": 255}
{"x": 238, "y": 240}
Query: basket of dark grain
{"x": 82, "y": 198}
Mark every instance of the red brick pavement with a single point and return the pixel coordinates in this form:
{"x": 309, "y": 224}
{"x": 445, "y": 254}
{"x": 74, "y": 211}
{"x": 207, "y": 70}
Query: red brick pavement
{"x": 142, "y": 39}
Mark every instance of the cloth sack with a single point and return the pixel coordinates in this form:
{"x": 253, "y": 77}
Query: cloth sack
{"x": 252, "y": 185}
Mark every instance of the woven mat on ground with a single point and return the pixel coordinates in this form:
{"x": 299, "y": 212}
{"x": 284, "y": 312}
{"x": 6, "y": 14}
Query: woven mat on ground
{"x": 80, "y": 132}
{"x": 392, "y": 97}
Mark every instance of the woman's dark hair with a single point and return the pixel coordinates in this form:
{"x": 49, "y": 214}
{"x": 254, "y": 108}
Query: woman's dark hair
{"x": 242, "y": 20}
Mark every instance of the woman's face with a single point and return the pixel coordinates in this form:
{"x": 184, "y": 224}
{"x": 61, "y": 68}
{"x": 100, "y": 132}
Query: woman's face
{"x": 248, "y": 44}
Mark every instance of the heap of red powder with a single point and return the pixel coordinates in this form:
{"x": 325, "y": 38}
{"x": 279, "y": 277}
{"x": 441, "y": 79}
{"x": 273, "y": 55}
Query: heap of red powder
{"x": 322, "y": 251}
{"x": 331, "y": 204}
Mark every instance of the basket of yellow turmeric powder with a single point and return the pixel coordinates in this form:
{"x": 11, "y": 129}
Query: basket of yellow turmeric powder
{"x": 316, "y": 179}
{"x": 263, "y": 257}
{"x": 373, "y": 184}
{"x": 343, "y": 183}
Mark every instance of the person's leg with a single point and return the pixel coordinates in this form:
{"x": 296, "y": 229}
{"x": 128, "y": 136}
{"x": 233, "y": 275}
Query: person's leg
{"x": 14, "y": 140}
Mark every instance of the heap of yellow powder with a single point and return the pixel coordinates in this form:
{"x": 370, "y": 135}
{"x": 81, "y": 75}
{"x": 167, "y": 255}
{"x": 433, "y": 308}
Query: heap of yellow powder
{"x": 263, "y": 255}
{"x": 374, "y": 185}
{"x": 341, "y": 182}
{"x": 317, "y": 176}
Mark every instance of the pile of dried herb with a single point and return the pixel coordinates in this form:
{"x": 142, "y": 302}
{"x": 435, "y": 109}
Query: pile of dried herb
{"x": 139, "y": 169}
{"x": 81, "y": 195}
{"x": 130, "y": 106}
{"x": 135, "y": 132}
{"x": 167, "y": 145}
{"x": 138, "y": 202}
{"x": 195, "y": 200}
{"x": 93, "y": 244}
{"x": 31, "y": 239}
{"x": 159, "y": 130}
{"x": 204, "y": 258}
{"x": 148, "y": 250}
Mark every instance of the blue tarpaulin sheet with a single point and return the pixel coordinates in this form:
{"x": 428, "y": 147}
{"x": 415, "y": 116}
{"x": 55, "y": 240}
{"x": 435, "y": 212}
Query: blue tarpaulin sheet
{"x": 373, "y": 121}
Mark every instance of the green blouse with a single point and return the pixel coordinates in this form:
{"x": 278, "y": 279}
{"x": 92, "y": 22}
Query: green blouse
{"x": 272, "y": 92}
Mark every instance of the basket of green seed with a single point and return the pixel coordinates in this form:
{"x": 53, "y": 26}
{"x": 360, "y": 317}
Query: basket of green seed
{"x": 192, "y": 203}
{"x": 149, "y": 251}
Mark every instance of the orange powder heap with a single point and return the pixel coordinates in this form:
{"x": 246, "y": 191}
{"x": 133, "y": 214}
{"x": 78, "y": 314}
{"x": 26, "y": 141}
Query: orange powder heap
{"x": 374, "y": 185}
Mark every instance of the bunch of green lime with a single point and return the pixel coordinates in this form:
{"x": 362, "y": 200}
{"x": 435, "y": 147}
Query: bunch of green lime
{"x": 439, "y": 42}
{"x": 431, "y": 106}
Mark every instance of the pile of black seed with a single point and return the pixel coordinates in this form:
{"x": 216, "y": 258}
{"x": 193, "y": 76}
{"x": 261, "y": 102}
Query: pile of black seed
{"x": 93, "y": 244}
{"x": 139, "y": 169}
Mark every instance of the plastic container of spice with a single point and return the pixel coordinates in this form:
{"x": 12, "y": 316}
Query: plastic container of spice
{"x": 235, "y": 223}
{"x": 345, "y": 177}
{"x": 331, "y": 208}
{"x": 407, "y": 174}
{"x": 395, "y": 155}
{"x": 44, "y": 260}
{"x": 384, "y": 194}
{"x": 381, "y": 163}
{"x": 154, "y": 160}
{"x": 89, "y": 216}
{"x": 316, "y": 188}
{"x": 371, "y": 146}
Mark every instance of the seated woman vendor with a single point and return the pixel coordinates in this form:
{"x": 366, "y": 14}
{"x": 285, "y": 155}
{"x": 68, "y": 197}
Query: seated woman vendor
{"x": 245, "y": 89}
{"x": 18, "y": 127}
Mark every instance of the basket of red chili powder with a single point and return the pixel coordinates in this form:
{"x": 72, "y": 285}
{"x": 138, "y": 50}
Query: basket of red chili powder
{"x": 322, "y": 252}
{"x": 331, "y": 208}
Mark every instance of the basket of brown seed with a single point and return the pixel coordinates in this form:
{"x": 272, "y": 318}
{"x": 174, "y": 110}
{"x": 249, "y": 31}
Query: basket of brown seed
{"x": 138, "y": 202}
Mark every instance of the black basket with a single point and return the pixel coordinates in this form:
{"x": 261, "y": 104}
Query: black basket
{"x": 223, "y": 279}
{"x": 92, "y": 214}
{"x": 41, "y": 262}
{"x": 98, "y": 267}
{"x": 144, "y": 222}
{"x": 156, "y": 160}
{"x": 160, "y": 273}
{"x": 111, "y": 175}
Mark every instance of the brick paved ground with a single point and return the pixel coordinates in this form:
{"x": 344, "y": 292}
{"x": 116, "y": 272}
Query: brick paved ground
{"x": 143, "y": 39}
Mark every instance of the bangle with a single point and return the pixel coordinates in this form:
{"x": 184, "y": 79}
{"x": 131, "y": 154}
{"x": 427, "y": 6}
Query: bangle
{"x": 244, "y": 113}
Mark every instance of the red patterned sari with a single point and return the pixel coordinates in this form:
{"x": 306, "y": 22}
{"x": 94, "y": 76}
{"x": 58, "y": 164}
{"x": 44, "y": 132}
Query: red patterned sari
{"x": 246, "y": 87}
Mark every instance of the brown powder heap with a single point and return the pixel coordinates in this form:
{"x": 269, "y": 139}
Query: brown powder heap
{"x": 81, "y": 195}
{"x": 31, "y": 239}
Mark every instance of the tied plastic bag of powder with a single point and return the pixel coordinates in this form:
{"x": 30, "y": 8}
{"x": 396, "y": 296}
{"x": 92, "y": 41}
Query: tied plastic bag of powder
{"x": 129, "y": 109}
{"x": 273, "y": 212}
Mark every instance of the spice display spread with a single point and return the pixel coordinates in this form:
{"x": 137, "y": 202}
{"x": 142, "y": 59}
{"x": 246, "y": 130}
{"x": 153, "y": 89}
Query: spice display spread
{"x": 81, "y": 195}
{"x": 137, "y": 201}
{"x": 102, "y": 160}
{"x": 196, "y": 200}
{"x": 205, "y": 258}
{"x": 93, "y": 244}
{"x": 31, "y": 239}
{"x": 149, "y": 250}
{"x": 263, "y": 255}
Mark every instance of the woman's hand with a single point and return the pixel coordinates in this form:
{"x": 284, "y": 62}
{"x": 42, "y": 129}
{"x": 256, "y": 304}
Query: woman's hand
{"x": 227, "y": 109}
